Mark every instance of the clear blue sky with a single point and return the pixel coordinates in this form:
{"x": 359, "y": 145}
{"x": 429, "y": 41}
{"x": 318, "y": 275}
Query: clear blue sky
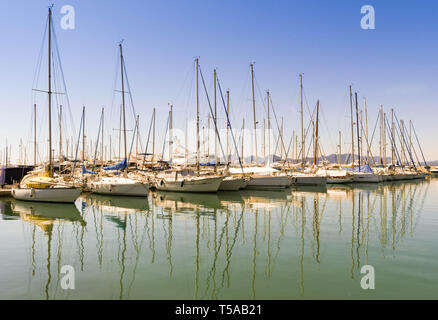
{"x": 394, "y": 65}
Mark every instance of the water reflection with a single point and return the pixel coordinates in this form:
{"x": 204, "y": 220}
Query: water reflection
{"x": 248, "y": 244}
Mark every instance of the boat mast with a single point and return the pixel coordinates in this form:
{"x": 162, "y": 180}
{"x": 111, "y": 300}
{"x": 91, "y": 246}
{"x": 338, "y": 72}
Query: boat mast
{"x": 228, "y": 126}
{"x": 303, "y": 156}
{"x": 170, "y": 133}
{"x": 352, "y": 130}
{"x": 34, "y": 136}
{"x": 339, "y": 148}
{"x": 197, "y": 115}
{"x": 83, "y": 134}
{"x": 49, "y": 92}
{"x": 60, "y": 132}
{"x": 315, "y": 153}
{"x": 392, "y": 140}
{"x": 123, "y": 104}
{"x": 269, "y": 130}
{"x": 215, "y": 121}
{"x": 253, "y": 111}
{"x": 102, "y": 144}
{"x": 357, "y": 127}
{"x": 153, "y": 137}
{"x": 366, "y": 130}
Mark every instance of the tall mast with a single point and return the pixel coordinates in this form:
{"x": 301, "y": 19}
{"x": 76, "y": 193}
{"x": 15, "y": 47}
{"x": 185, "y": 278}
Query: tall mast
{"x": 254, "y": 112}
{"x": 102, "y": 155}
{"x": 315, "y": 153}
{"x": 137, "y": 135}
{"x": 357, "y": 127}
{"x": 393, "y": 137}
{"x": 83, "y": 133}
{"x": 352, "y": 130}
{"x": 123, "y": 104}
{"x": 303, "y": 149}
{"x": 153, "y": 137}
{"x": 384, "y": 138}
{"x": 170, "y": 133}
{"x": 50, "y": 90}
{"x": 366, "y": 129}
{"x": 339, "y": 148}
{"x": 197, "y": 115}
{"x": 228, "y": 126}
{"x": 381, "y": 133}
{"x": 60, "y": 132}
{"x": 269, "y": 129}
{"x": 215, "y": 121}
{"x": 34, "y": 136}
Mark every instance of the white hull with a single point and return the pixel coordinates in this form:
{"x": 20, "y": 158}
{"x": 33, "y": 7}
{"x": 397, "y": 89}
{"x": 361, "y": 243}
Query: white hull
{"x": 268, "y": 182}
{"x": 136, "y": 189}
{"x": 232, "y": 184}
{"x": 339, "y": 180}
{"x": 195, "y": 185}
{"x": 366, "y": 178}
{"x": 66, "y": 195}
{"x": 118, "y": 186}
{"x": 307, "y": 180}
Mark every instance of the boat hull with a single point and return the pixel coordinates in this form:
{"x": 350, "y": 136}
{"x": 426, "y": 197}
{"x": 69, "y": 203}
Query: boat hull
{"x": 59, "y": 195}
{"x": 136, "y": 189}
{"x": 366, "y": 178}
{"x": 206, "y": 185}
{"x": 232, "y": 184}
{"x": 268, "y": 183}
{"x": 339, "y": 180}
{"x": 303, "y": 180}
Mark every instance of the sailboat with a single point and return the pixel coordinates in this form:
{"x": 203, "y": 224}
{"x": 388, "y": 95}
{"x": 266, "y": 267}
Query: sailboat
{"x": 114, "y": 183}
{"x": 42, "y": 185}
{"x": 183, "y": 179}
{"x": 262, "y": 178}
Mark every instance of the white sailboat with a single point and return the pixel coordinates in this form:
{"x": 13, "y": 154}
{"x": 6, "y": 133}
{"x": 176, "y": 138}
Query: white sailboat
{"x": 186, "y": 180}
{"x": 42, "y": 185}
{"x": 114, "y": 184}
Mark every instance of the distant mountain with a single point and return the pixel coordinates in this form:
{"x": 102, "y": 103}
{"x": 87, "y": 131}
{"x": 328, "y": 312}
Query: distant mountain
{"x": 333, "y": 158}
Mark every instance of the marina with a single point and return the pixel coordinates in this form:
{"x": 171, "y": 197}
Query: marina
{"x": 192, "y": 184}
{"x": 289, "y": 244}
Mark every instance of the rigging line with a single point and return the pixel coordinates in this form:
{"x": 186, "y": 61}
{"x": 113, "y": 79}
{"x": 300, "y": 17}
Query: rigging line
{"x": 279, "y": 132}
{"x": 413, "y": 128}
{"x": 39, "y": 60}
{"x": 165, "y": 135}
{"x": 392, "y": 140}
{"x": 375, "y": 127}
{"x": 401, "y": 143}
{"x": 129, "y": 90}
{"x": 324, "y": 120}
{"x": 97, "y": 142}
{"x": 276, "y": 120}
{"x": 212, "y": 114}
{"x": 147, "y": 141}
{"x": 305, "y": 136}
{"x": 63, "y": 82}
{"x": 134, "y": 133}
{"x": 231, "y": 128}
{"x": 77, "y": 146}
{"x": 113, "y": 91}
{"x": 406, "y": 145}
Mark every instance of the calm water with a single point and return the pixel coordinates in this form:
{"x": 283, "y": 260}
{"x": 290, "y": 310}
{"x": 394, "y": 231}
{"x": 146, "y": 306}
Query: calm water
{"x": 295, "y": 244}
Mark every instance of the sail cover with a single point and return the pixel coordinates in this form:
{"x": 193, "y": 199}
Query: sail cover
{"x": 366, "y": 169}
{"x": 118, "y": 166}
{"x": 84, "y": 170}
